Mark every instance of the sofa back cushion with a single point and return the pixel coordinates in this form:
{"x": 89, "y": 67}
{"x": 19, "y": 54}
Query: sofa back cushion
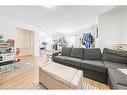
{"x": 114, "y": 55}
{"x": 77, "y": 52}
{"x": 66, "y": 51}
{"x": 92, "y": 54}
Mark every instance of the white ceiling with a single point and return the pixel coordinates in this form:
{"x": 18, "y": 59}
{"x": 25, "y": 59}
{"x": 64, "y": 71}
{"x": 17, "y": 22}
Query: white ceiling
{"x": 61, "y": 19}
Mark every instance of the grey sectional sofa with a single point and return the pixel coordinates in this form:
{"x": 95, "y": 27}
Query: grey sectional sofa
{"x": 99, "y": 66}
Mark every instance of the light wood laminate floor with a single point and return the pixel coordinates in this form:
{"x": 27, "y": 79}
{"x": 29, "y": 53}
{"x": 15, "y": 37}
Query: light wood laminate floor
{"x": 22, "y": 79}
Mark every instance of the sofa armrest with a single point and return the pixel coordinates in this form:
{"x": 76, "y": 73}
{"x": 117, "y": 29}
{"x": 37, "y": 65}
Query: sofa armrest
{"x": 55, "y": 54}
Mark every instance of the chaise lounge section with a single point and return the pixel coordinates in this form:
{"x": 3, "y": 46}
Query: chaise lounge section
{"x": 115, "y": 60}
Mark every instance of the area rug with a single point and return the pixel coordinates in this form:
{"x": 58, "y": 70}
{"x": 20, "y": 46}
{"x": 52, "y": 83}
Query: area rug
{"x": 13, "y": 67}
{"x": 42, "y": 87}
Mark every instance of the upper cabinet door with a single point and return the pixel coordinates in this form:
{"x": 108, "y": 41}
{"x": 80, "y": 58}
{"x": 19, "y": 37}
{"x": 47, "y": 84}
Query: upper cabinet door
{"x": 26, "y": 40}
{"x": 23, "y": 38}
{"x": 19, "y": 38}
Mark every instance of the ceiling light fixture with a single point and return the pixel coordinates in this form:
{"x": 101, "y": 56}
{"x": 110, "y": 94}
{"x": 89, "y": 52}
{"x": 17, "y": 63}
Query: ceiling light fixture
{"x": 50, "y": 6}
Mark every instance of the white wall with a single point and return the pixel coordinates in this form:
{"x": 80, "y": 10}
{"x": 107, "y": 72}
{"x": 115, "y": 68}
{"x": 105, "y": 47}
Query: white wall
{"x": 113, "y": 27}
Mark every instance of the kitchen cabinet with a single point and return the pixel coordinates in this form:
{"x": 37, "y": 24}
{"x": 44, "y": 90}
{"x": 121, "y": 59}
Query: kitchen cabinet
{"x": 25, "y": 41}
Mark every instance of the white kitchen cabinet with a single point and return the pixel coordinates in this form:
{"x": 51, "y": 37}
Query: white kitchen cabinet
{"x": 23, "y": 39}
{"x": 27, "y": 41}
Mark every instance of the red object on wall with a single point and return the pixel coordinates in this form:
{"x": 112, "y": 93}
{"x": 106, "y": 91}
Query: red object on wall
{"x": 17, "y": 51}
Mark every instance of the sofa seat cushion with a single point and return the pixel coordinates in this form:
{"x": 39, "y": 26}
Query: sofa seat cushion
{"x": 77, "y": 52}
{"x": 92, "y": 54}
{"x": 66, "y": 51}
{"x": 115, "y": 55}
{"x": 117, "y": 77}
{"x": 60, "y": 58}
{"x": 74, "y": 61}
{"x": 94, "y": 65}
{"x": 114, "y": 65}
